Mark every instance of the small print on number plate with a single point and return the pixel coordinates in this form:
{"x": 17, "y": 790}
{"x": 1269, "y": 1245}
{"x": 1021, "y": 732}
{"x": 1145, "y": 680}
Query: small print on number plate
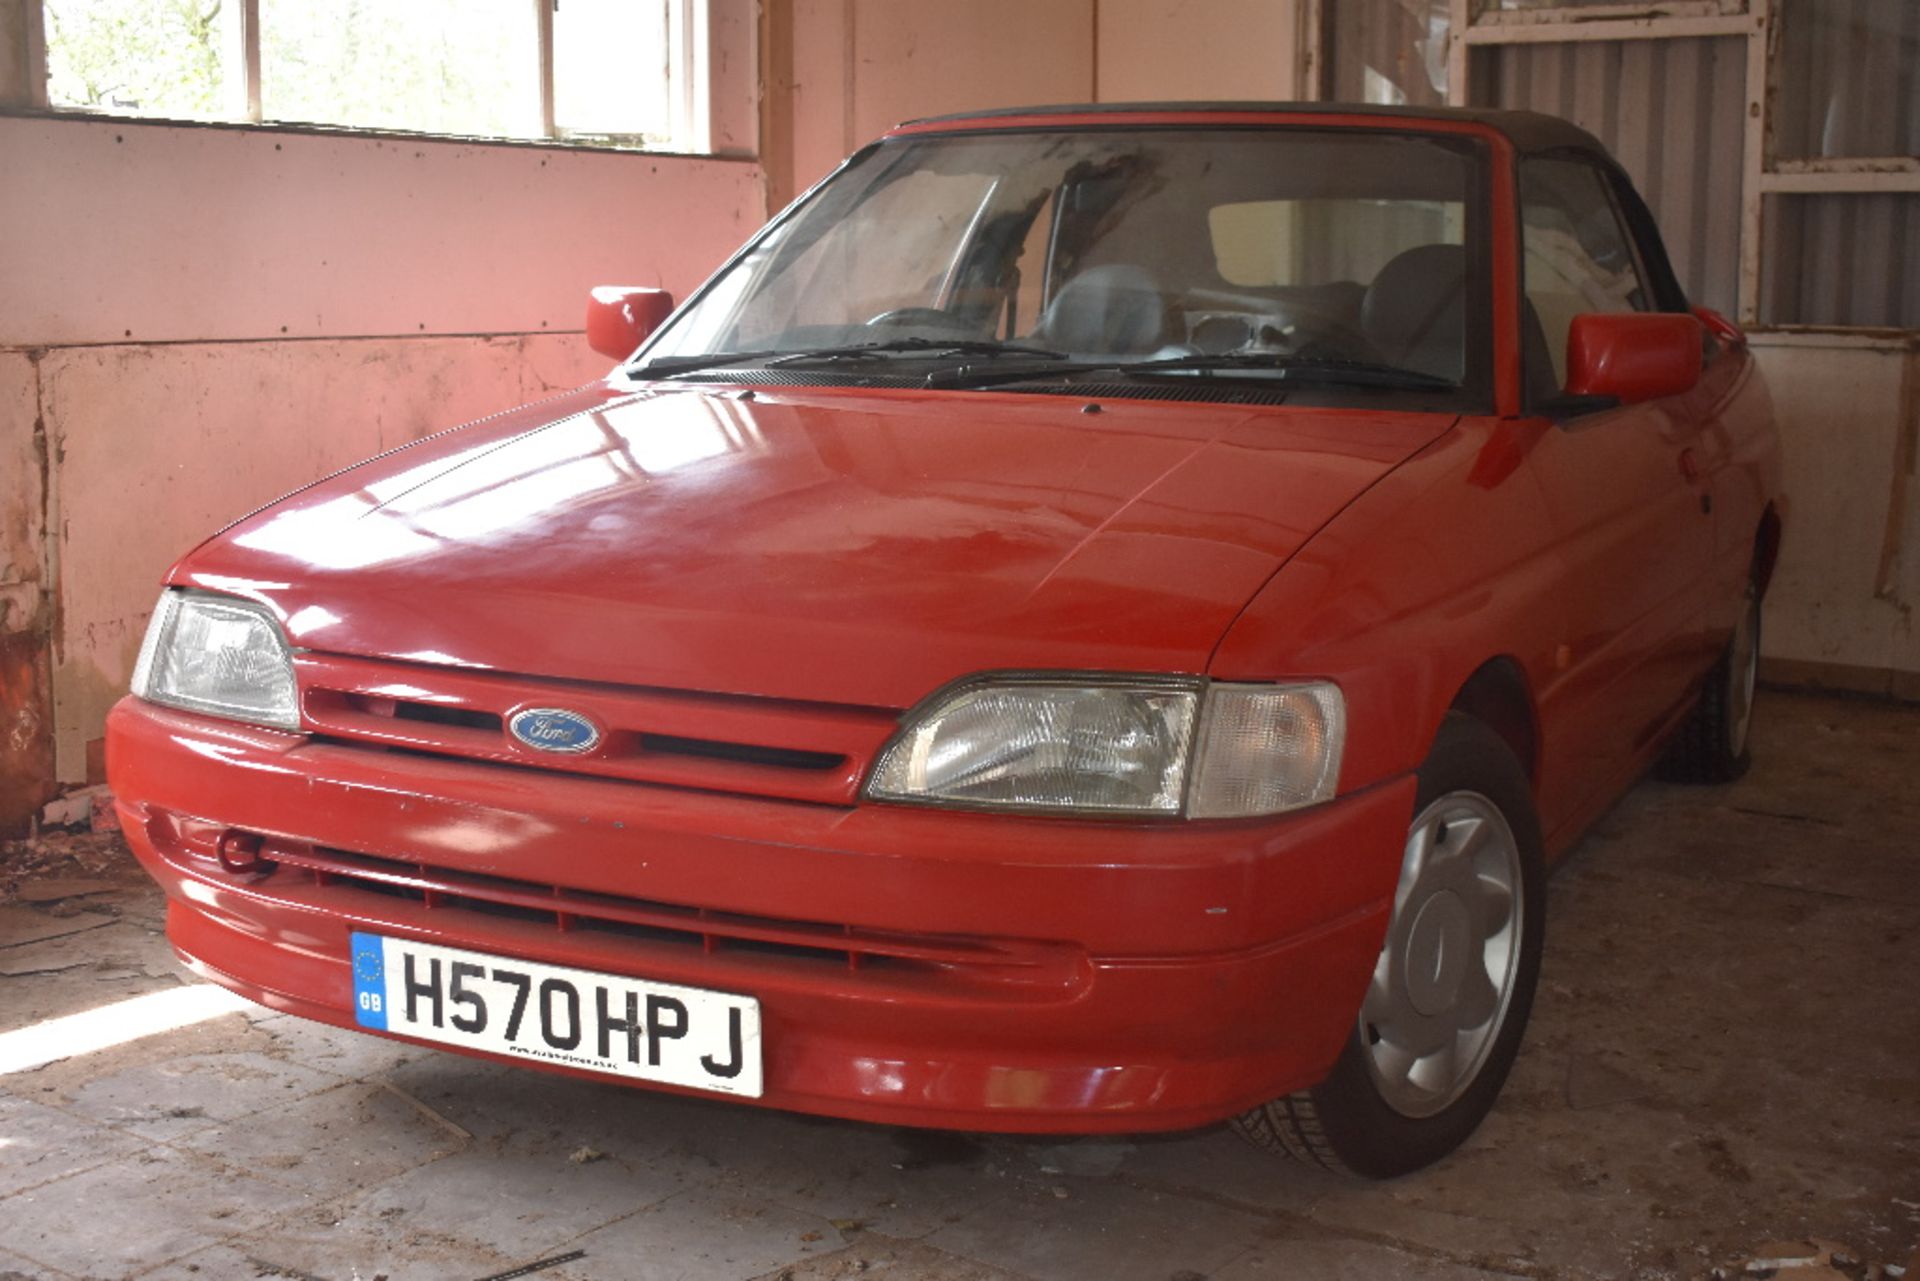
{"x": 601, "y": 1022}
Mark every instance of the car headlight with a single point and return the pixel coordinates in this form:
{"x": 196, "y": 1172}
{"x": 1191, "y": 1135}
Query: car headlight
{"x": 218, "y": 655}
{"x": 1118, "y": 746}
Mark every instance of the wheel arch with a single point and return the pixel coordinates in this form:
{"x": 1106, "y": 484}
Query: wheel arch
{"x": 1499, "y": 696}
{"x": 1766, "y": 548}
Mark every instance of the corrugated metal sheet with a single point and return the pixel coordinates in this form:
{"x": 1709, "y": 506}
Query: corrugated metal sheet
{"x": 1848, "y": 78}
{"x": 1841, "y": 260}
{"x": 1671, "y": 112}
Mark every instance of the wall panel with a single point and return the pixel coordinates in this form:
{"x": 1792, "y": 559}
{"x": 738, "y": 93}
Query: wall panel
{"x": 245, "y": 423}
{"x": 1172, "y": 50}
{"x": 1848, "y": 582}
{"x": 113, "y": 231}
{"x": 926, "y": 57}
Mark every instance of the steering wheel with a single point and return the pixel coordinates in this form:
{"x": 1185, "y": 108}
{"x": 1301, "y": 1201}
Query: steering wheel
{"x": 1319, "y": 337}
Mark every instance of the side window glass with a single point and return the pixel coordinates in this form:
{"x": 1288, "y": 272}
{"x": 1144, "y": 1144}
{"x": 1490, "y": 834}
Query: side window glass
{"x": 1577, "y": 255}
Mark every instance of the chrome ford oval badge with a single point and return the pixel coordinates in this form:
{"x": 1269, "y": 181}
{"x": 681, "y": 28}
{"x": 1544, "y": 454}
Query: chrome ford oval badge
{"x": 554, "y": 729}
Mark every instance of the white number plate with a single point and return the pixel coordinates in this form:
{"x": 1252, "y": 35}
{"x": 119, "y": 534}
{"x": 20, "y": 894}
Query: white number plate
{"x": 601, "y": 1022}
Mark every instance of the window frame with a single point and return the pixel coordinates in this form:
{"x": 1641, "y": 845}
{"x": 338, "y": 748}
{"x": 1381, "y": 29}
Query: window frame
{"x": 1478, "y": 390}
{"x": 1476, "y": 24}
{"x": 690, "y": 24}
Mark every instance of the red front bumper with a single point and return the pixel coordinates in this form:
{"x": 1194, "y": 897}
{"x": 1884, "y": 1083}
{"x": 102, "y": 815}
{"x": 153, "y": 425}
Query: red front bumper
{"x": 1169, "y": 974}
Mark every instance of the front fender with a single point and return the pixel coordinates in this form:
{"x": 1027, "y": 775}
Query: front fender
{"x": 1437, "y": 568}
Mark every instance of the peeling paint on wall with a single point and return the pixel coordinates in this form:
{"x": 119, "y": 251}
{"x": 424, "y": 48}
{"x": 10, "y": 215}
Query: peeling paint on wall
{"x": 26, "y": 749}
{"x": 26, "y": 764}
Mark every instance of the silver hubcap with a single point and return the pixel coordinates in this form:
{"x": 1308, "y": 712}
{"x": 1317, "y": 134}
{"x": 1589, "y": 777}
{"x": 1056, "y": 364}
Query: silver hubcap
{"x": 1445, "y": 976}
{"x": 1743, "y": 671}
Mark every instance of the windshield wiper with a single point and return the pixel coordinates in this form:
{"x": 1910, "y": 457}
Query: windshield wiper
{"x": 1249, "y": 366}
{"x": 1363, "y": 373}
{"x": 851, "y": 351}
{"x": 917, "y": 346}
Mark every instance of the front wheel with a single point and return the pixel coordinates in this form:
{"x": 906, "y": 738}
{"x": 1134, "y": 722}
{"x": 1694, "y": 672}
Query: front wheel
{"x": 1448, "y": 1000}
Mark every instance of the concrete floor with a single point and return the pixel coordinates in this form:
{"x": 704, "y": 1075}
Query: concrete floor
{"x": 1725, "y": 1054}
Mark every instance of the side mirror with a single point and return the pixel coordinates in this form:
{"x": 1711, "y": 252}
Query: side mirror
{"x": 1633, "y": 356}
{"x": 619, "y": 317}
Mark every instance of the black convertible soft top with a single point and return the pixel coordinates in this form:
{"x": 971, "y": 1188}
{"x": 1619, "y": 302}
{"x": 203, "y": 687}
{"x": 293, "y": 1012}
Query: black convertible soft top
{"x": 1528, "y": 131}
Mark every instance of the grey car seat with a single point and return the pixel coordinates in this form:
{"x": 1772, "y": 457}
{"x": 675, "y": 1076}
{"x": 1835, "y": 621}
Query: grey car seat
{"x": 1112, "y": 310}
{"x": 1415, "y": 311}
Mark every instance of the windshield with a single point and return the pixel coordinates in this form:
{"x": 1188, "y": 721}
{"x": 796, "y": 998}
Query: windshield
{"x": 1171, "y": 249}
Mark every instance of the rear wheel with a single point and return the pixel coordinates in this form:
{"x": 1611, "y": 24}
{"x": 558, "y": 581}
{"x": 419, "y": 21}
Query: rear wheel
{"x": 1448, "y": 1000}
{"x": 1711, "y": 745}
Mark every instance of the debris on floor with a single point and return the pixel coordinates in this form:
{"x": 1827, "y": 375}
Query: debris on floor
{"x": 57, "y": 866}
{"x": 1714, "y": 1074}
{"x": 1810, "y": 1260}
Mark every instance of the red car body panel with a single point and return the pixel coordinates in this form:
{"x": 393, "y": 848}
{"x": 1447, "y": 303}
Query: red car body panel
{"x": 794, "y": 569}
{"x": 934, "y": 537}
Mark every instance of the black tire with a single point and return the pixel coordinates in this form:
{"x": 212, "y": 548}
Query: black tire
{"x": 1346, "y": 1123}
{"x": 1712, "y": 745}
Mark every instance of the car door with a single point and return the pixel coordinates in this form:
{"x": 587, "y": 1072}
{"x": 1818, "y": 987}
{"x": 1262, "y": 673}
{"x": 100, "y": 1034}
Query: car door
{"x": 1626, "y": 489}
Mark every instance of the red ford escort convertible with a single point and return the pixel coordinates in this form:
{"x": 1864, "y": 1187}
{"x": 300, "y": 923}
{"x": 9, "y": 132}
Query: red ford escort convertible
{"x": 1097, "y": 619}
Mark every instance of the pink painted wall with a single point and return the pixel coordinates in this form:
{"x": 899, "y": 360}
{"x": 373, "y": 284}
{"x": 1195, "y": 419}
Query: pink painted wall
{"x": 862, "y": 66}
{"x": 199, "y": 319}
{"x": 118, "y": 230}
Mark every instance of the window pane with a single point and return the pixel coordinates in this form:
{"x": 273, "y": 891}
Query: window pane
{"x": 611, "y": 68}
{"x": 1842, "y": 260}
{"x": 1848, "y": 73}
{"x": 1388, "y": 51}
{"x": 440, "y": 66}
{"x": 1577, "y": 256}
{"x": 143, "y": 57}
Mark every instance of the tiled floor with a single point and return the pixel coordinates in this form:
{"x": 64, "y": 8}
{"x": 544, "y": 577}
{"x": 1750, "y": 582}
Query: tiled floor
{"x": 1725, "y": 1053}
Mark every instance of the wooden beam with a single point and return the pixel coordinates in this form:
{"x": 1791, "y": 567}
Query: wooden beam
{"x": 543, "y": 43}
{"x": 33, "y": 40}
{"x": 1310, "y": 58}
{"x": 1841, "y": 182}
{"x": 1906, "y": 447}
{"x": 1460, "y": 31}
{"x": 1753, "y": 161}
{"x": 1561, "y": 32}
{"x": 250, "y": 109}
{"x": 1490, "y": 17}
{"x": 776, "y": 105}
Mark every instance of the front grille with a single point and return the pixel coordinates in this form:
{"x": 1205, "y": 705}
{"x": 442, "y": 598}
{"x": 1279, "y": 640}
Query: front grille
{"x": 1042, "y": 967}
{"x": 429, "y": 714}
{"x": 714, "y": 742}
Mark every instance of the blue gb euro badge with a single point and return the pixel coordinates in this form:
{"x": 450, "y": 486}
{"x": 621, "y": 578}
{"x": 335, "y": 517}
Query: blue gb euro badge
{"x": 370, "y": 980}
